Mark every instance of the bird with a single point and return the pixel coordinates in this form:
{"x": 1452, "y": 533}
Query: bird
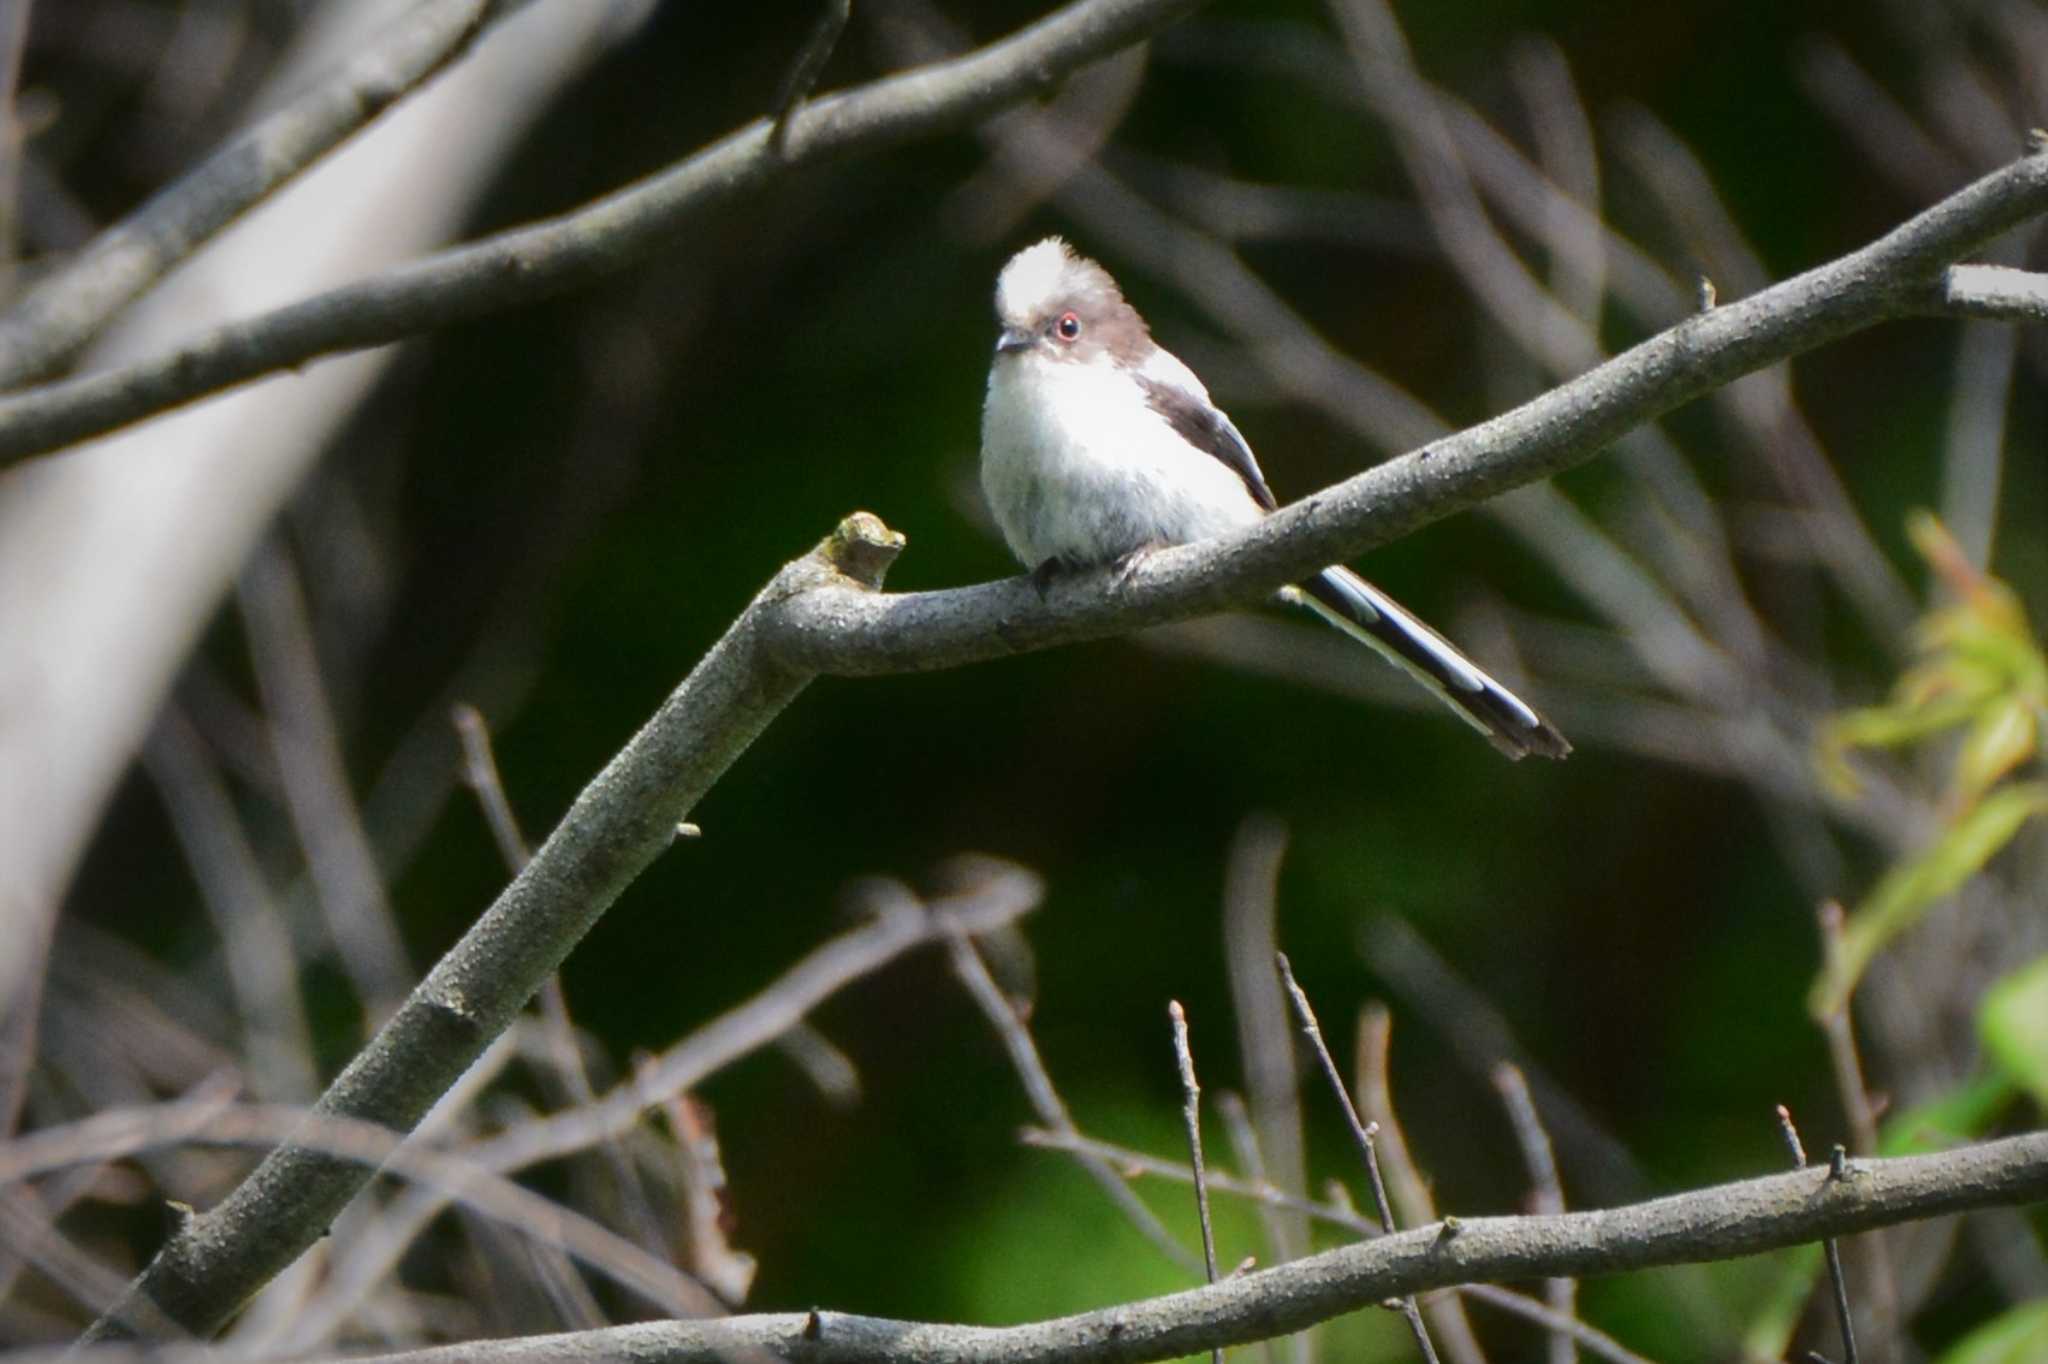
{"x": 1098, "y": 445}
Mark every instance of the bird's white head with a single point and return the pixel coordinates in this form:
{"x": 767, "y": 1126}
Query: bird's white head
{"x": 1058, "y": 305}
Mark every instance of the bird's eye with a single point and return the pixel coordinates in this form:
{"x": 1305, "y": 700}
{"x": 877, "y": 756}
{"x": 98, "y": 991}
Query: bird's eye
{"x": 1068, "y": 328}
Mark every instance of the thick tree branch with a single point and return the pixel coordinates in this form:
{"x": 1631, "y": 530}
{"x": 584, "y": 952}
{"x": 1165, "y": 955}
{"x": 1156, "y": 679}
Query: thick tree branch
{"x": 1709, "y": 1224}
{"x": 622, "y": 821}
{"x": 64, "y": 312}
{"x": 546, "y": 258}
{"x": 1905, "y": 273}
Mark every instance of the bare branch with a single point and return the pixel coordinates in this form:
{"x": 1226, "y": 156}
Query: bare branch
{"x": 621, "y": 822}
{"x": 1994, "y": 291}
{"x": 1191, "y": 1117}
{"x": 1836, "y": 1169}
{"x": 1045, "y": 1099}
{"x": 1733, "y": 1219}
{"x": 1407, "y": 1190}
{"x": 858, "y": 634}
{"x": 119, "y": 1133}
{"x": 993, "y": 895}
{"x": 63, "y": 313}
{"x": 528, "y": 263}
{"x": 1546, "y": 1190}
{"x": 480, "y": 774}
{"x": 809, "y": 65}
{"x": 306, "y": 742}
{"x": 1265, "y": 1042}
{"x": 1266, "y": 1196}
{"x": 256, "y": 947}
{"x": 1361, "y": 1136}
{"x": 1860, "y": 1112}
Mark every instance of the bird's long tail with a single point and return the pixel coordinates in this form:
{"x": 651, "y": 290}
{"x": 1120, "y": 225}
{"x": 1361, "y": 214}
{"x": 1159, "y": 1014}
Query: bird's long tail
{"x": 1370, "y": 616}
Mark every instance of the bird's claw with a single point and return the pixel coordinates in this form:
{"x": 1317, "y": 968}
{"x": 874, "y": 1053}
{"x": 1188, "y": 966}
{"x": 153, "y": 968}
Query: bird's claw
{"x": 1043, "y": 576}
{"x": 1126, "y": 566}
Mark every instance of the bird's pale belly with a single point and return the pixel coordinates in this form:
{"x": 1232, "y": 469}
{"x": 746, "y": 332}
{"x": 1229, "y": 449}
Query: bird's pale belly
{"x": 1129, "y": 483}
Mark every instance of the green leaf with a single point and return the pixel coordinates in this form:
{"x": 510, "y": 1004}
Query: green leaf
{"x": 1888, "y": 726}
{"x": 1908, "y": 890}
{"x": 2017, "y": 1336}
{"x": 2013, "y": 1021}
{"x": 2003, "y": 736}
{"x": 1891, "y": 726}
{"x": 1960, "y": 1116}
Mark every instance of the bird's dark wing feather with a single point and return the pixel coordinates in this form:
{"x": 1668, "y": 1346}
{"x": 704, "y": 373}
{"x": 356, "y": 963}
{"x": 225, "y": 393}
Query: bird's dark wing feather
{"x": 1204, "y": 426}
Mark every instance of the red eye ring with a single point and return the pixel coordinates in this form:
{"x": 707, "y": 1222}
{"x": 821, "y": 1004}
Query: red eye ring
{"x": 1068, "y": 328}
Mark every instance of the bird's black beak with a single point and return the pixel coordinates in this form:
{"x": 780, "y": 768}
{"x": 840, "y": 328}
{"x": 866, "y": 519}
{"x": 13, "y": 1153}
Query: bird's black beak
{"x": 1014, "y": 339}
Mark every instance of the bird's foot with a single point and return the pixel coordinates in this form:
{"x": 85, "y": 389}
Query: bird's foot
{"x": 1125, "y": 566}
{"x": 1048, "y": 572}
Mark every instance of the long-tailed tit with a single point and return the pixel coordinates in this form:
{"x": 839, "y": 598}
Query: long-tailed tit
{"x": 1097, "y": 443}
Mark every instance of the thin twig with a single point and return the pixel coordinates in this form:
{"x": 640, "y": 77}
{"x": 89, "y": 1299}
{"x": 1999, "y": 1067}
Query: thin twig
{"x": 1045, "y": 1099}
{"x": 1361, "y": 1136}
{"x": 1546, "y": 1191}
{"x": 120, "y": 1133}
{"x": 830, "y": 1070}
{"x": 1265, "y": 1041}
{"x": 1480, "y": 1034}
{"x": 256, "y": 946}
{"x": 1244, "y": 1141}
{"x": 566, "y": 1069}
{"x": 1860, "y": 1112}
{"x": 994, "y": 894}
{"x": 1133, "y": 1164}
{"x": 305, "y": 737}
{"x": 1191, "y": 1115}
{"x": 1836, "y": 1171}
{"x": 804, "y": 72}
{"x": 1335, "y": 1214}
{"x": 1407, "y": 1191}
{"x": 1838, "y": 1166}
{"x": 480, "y": 774}
{"x": 1763, "y": 403}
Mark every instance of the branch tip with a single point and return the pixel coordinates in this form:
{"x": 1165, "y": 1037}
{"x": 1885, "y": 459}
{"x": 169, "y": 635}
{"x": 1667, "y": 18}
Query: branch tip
{"x": 1790, "y": 1132}
{"x": 862, "y": 548}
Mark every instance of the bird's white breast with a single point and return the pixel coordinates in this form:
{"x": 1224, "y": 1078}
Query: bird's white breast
{"x": 1077, "y": 465}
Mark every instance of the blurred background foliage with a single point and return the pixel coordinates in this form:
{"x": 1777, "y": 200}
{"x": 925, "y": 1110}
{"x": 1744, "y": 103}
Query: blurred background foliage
{"x": 553, "y": 512}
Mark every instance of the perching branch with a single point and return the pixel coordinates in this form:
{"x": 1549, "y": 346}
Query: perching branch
{"x": 545, "y": 258}
{"x": 1718, "y": 1223}
{"x": 1906, "y": 273}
